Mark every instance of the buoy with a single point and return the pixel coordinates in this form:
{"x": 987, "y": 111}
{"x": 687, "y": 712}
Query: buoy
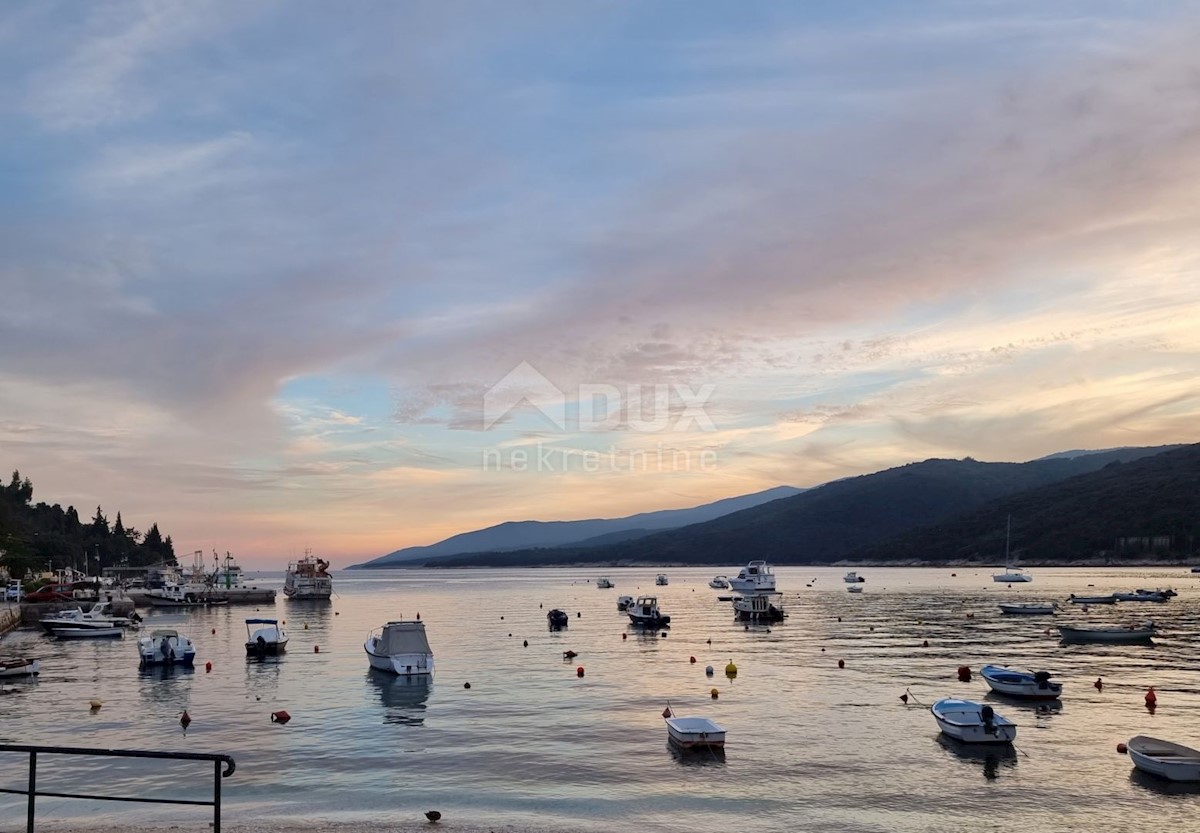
{"x": 578, "y": 614}
{"x": 1151, "y": 697}
{"x": 337, "y": 613}
{"x": 664, "y": 634}
{"x": 1099, "y": 684}
{"x": 510, "y": 636}
{"x": 466, "y": 685}
{"x": 624, "y": 636}
{"x": 708, "y": 642}
{"x": 185, "y": 719}
{"x": 714, "y": 693}
{"x": 708, "y": 670}
{"x": 280, "y": 716}
{"x": 316, "y": 649}
{"x": 579, "y": 671}
{"x": 501, "y": 618}
{"x": 692, "y": 660}
{"x": 822, "y": 650}
{"x": 1122, "y": 748}
{"x": 731, "y": 669}
{"x": 839, "y": 618}
{"x": 214, "y": 631}
{"x": 306, "y": 625}
{"x": 964, "y": 674}
{"x": 419, "y": 616}
{"x": 904, "y": 698}
{"x": 540, "y": 607}
{"x": 925, "y": 644}
{"x": 569, "y": 655}
{"x": 208, "y": 668}
{"x": 525, "y": 644}
{"x": 433, "y": 815}
{"x": 841, "y": 663}
{"x": 667, "y": 711}
{"x": 970, "y": 615}
{"x": 95, "y": 704}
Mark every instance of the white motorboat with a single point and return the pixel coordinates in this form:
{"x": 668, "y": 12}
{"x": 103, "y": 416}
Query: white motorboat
{"x": 308, "y": 578}
{"x": 759, "y": 607}
{"x": 19, "y": 667}
{"x": 166, "y": 646}
{"x": 852, "y": 578}
{"x": 972, "y": 722}
{"x": 604, "y": 583}
{"x": 854, "y": 588}
{"x": 401, "y": 648}
{"x": 1110, "y": 599}
{"x": 1017, "y": 683}
{"x": 645, "y": 613}
{"x": 1029, "y": 608}
{"x": 695, "y": 732}
{"x": 755, "y": 577}
{"x": 98, "y": 621}
{"x": 719, "y": 583}
{"x": 623, "y": 602}
{"x": 1171, "y": 761}
{"x": 1012, "y": 573}
{"x": 661, "y": 580}
{"x": 1113, "y": 633}
{"x": 1144, "y": 596}
{"x": 270, "y": 639}
{"x": 171, "y": 594}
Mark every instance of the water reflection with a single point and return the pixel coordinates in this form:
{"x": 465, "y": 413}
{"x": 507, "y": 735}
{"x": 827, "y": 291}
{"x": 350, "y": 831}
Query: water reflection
{"x": 1153, "y": 783}
{"x": 403, "y": 698}
{"x": 697, "y": 757}
{"x": 993, "y": 756}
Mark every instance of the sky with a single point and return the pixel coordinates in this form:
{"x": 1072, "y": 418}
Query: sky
{"x": 353, "y": 277}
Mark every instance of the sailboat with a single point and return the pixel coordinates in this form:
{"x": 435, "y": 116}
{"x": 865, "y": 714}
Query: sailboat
{"x": 1012, "y": 573}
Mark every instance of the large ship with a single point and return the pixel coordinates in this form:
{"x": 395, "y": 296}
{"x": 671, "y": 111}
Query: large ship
{"x": 308, "y": 578}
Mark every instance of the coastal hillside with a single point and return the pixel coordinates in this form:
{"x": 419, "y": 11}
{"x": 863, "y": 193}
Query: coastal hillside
{"x": 1147, "y": 508}
{"x": 520, "y": 535}
{"x": 830, "y": 522}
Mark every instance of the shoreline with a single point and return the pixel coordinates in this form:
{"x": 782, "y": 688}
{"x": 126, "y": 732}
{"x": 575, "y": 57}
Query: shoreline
{"x": 1183, "y": 563}
{"x": 381, "y": 826}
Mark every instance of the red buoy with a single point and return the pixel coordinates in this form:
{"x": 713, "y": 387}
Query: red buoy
{"x": 579, "y": 671}
{"x": 214, "y": 631}
{"x": 964, "y": 674}
{"x": 667, "y": 711}
{"x": 925, "y": 644}
{"x": 1151, "y": 698}
{"x": 280, "y": 716}
{"x": 1122, "y": 748}
{"x": 316, "y": 649}
{"x": 692, "y": 660}
{"x": 207, "y": 667}
{"x": 624, "y": 636}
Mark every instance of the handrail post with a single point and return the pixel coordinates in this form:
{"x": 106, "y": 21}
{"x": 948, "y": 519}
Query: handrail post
{"x": 32, "y": 791}
{"x": 216, "y": 797}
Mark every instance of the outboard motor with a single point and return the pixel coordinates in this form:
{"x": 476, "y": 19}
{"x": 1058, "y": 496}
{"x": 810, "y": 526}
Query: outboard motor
{"x": 1042, "y": 678}
{"x": 989, "y": 716}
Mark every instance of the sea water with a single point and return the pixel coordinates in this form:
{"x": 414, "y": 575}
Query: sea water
{"x": 811, "y": 745}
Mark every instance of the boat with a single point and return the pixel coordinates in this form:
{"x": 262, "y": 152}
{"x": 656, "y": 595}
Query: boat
{"x": 755, "y": 577}
{"x": 645, "y": 613}
{"x": 1142, "y": 596}
{"x": 623, "y": 602}
{"x": 269, "y": 639}
{"x": 852, "y": 578}
{"x": 759, "y": 607}
{"x": 1115, "y": 633}
{"x": 1168, "y": 592}
{"x": 99, "y": 620}
{"x": 972, "y": 722}
{"x": 1029, "y": 608}
{"x": 719, "y": 583}
{"x": 19, "y": 667}
{"x": 227, "y": 576}
{"x": 1171, "y": 761}
{"x": 854, "y": 588}
{"x": 401, "y": 648}
{"x": 1092, "y": 600}
{"x": 558, "y": 619}
{"x": 172, "y": 594}
{"x": 661, "y": 580}
{"x": 1196, "y": 569}
{"x": 1012, "y": 573}
{"x": 308, "y": 578}
{"x": 166, "y": 646}
{"x": 1017, "y": 683}
{"x": 695, "y": 732}
{"x": 604, "y": 583}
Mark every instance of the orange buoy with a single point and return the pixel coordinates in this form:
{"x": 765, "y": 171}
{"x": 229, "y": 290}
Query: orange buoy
{"x": 208, "y": 668}
{"x": 1151, "y": 697}
{"x": 667, "y": 711}
{"x": 964, "y": 674}
{"x": 1099, "y": 684}
{"x": 841, "y": 663}
{"x": 185, "y": 719}
{"x": 714, "y": 693}
{"x": 579, "y": 671}
{"x": 280, "y": 716}
{"x": 1122, "y": 748}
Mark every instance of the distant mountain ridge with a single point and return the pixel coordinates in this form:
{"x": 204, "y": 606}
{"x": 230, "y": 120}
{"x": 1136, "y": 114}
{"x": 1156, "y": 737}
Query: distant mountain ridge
{"x": 519, "y": 535}
{"x": 830, "y": 522}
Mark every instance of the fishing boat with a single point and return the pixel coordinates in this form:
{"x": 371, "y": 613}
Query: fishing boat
{"x": 1018, "y": 683}
{"x": 604, "y": 583}
{"x": 755, "y": 577}
{"x": 645, "y": 613}
{"x": 719, "y": 583}
{"x": 400, "y": 648}
{"x": 166, "y": 646}
{"x": 1029, "y": 608}
{"x": 270, "y": 639}
{"x": 1012, "y": 573}
{"x": 972, "y": 722}
{"x": 1171, "y": 761}
{"x": 308, "y": 578}
{"x": 623, "y": 602}
{"x": 1110, "y": 599}
{"x": 854, "y": 588}
{"x": 557, "y": 619}
{"x": 661, "y": 580}
{"x": 759, "y": 607}
{"x": 1114, "y": 633}
{"x": 695, "y": 732}
{"x": 19, "y": 667}
{"x": 852, "y": 578}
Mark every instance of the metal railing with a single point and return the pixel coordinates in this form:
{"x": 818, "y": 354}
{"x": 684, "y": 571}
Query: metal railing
{"x": 32, "y": 791}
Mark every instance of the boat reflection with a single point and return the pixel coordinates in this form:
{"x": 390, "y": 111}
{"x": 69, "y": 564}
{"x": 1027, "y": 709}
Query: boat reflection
{"x": 1162, "y": 786}
{"x": 697, "y": 757}
{"x": 1039, "y": 708}
{"x": 403, "y": 698}
{"x": 993, "y": 756}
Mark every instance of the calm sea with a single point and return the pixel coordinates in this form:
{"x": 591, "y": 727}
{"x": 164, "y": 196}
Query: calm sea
{"x": 811, "y": 746}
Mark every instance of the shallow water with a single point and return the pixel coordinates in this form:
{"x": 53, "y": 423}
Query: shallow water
{"x": 810, "y": 747}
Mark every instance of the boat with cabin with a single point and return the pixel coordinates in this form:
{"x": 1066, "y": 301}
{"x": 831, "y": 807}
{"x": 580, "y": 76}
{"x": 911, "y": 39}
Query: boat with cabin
{"x": 661, "y": 580}
{"x": 719, "y": 583}
{"x": 308, "y": 578}
{"x": 401, "y": 648}
{"x": 98, "y": 621}
{"x": 645, "y": 613}
{"x": 623, "y": 602}
{"x": 188, "y": 594}
{"x": 755, "y": 577}
{"x": 1145, "y": 596}
{"x": 604, "y": 583}
{"x": 166, "y": 646}
{"x": 972, "y": 722}
{"x": 268, "y": 640}
{"x": 852, "y": 578}
{"x": 1164, "y": 759}
{"x": 1018, "y": 683}
{"x": 759, "y": 607}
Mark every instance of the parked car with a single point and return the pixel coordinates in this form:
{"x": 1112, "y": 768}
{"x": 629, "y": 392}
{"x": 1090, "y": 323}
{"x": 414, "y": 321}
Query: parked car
{"x": 52, "y": 593}
{"x": 13, "y": 593}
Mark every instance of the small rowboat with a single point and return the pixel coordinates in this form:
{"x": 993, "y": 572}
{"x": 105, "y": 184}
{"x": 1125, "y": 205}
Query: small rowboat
{"x": 1029, "y": 608}
{"x": 19, "y": 667}
{"x": 1172, "y": 761}
{"x": 1143, "y": 596}
{"x": 695, "y": 733}
{"x": 1017, "y": 683}
{"x": 854, "y": 588}
{"x": 1131, "y": 633}
{"x": 971, "y": 722}
{"x": 1092, "y": 600}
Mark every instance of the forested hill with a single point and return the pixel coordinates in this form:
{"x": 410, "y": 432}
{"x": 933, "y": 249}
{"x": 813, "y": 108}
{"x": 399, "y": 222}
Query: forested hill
{"x": 33, "y": 536}
{"x": 830, "y": 522}
{"x": 1148, "y": 508}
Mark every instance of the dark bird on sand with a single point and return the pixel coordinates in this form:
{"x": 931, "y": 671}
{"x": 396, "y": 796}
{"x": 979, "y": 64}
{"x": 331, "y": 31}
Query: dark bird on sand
{"x": 433, "y": 815}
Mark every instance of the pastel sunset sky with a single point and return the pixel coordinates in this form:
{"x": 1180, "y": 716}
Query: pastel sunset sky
{"x": 359, "y": 276}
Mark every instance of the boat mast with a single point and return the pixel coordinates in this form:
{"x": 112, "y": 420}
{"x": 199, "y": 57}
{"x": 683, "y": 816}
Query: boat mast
{"x": 1007, "y": 541}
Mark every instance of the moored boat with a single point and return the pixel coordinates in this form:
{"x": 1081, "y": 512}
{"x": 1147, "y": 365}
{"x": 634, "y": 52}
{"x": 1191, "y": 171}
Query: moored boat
{"x": 1172, "y": 761}
{"x": 645, "y": 613}
{"x": 270, "y": 639}
{"x": 99, "y": 621}
{"x": 557, "y": 619}
{"x": 1112, "y": 633}
{"x": 695, "y": 732}
{"x": 166, "y": 646}
{"x": 1029, "y": 608}
{"x": 1110, "y": 599}
{"x": 854, "y": 588}
{"x": 1012, "y": 573}
{"x": 623, "y": 602}
{"x": 719, "y": 583}
{"x": 852, "y": 578}
{"x": 661, "y": 580}
{"x": 1144, "y": 596}
{"x": 19, "y": 667}
{"x": 308, "y": 578}
{"x": 759, "y": 607}
{"x": 972, "y": 722}
{"x": 1018, "y": 683}
{"x": 755, "y": 577}
{"x": 401, "y": 648}
{"x": 604, "y": 583}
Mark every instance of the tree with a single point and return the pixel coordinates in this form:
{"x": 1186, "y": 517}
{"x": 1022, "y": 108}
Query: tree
{"x": 100, "y": 523}
{"x": 118, "y": 529}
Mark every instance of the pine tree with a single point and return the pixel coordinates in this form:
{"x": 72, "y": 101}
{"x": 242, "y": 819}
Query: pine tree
{"x": 118, "y": 529}
{"x": 100, "y": 523}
